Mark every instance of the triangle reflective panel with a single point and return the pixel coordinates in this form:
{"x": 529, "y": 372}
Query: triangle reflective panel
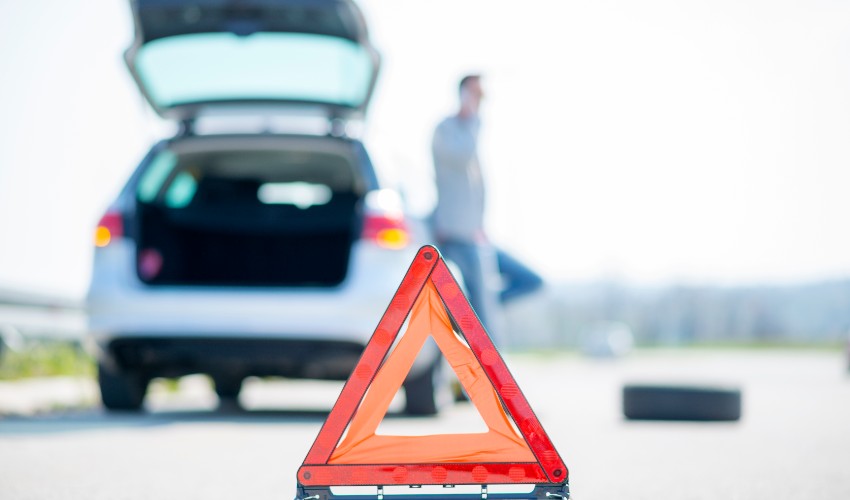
{"x": 430, "y": 296}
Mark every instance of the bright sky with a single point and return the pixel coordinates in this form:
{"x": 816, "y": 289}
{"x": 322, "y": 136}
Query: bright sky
{"x": 653, "y": 141}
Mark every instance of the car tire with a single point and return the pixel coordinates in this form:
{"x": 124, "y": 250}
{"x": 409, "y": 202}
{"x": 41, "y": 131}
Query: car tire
{"x": 689, "y": 403}
{"x": 427, "y": 393}
{"x": 459, "y": 393}
{"x": 120, "y": 390}
{"x": 227, "y": 388}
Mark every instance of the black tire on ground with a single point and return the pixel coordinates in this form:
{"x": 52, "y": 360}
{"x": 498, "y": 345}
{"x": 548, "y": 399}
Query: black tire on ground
{"x": 427, "y": 393}
{"x": 119, "y": 390}
{"x": 459, "y": 393}
{"x": 227, "y": 387}
{"x": 691, "y": 403}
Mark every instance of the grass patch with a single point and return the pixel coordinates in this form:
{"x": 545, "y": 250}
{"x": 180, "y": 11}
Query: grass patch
{"x": 46, "y": 359}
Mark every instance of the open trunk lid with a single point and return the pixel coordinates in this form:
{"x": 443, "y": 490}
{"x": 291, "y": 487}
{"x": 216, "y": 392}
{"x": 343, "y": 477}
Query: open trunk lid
{"x": 190, "y": 56}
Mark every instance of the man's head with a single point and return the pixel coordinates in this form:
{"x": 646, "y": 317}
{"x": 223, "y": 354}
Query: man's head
{"x": 471, "y": 94}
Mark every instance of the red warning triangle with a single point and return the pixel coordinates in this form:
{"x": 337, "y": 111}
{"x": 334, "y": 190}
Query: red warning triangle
{"x": 428, "y": 294}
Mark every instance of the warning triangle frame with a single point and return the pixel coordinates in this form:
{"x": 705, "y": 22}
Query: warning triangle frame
{"x": 547, "y": 469}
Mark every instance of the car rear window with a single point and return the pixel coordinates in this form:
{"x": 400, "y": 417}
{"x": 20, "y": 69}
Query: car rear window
{"x": 155, "y": 175}
{"x": 216, "y": 67}
{"x": 181, "y": 191}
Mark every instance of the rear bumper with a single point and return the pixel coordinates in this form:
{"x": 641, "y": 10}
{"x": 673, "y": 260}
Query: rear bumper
{"x": 171, "y": 331}
{"x": 239, "y": 357}
{"x": 177, "y": 356}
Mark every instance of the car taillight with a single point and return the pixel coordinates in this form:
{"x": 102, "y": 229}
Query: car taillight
{"x": 386, "y": 231}
{"x": 111, "y": 226}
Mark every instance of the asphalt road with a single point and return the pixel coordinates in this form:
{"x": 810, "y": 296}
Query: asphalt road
{"x": 792, "y": 442}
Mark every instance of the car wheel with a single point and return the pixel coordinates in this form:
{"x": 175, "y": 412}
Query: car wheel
{"x": 650, "y": 402}
{"x": 429, "y": 392}
{"x": 120, "y": 390}
{"x": 227, "y": 388}
{"x": 459, "y": 393}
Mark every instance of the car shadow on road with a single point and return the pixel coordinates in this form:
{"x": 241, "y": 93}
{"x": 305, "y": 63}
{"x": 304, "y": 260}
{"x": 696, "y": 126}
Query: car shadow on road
{"x": 97, "y": 419}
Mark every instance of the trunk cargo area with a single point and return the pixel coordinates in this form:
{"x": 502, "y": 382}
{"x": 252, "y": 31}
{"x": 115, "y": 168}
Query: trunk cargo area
{"x": 209, "y": 223}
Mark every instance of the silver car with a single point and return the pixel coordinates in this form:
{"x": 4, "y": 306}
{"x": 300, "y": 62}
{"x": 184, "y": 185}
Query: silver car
{"x": 260, "y": 240}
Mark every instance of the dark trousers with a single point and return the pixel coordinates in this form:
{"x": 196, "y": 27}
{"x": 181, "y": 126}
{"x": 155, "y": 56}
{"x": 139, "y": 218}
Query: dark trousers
{"x": 492, "y": 277}
{"x": 517, "y": 278}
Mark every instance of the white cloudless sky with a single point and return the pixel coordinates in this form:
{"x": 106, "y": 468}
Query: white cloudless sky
{"x": 654, "y": 142}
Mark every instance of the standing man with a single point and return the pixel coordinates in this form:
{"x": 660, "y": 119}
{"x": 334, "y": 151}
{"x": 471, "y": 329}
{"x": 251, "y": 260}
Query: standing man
{"x": 459, "y": 215}
{"x": 492, "y": 277}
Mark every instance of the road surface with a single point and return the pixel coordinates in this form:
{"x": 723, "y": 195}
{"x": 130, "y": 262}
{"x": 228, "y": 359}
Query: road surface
{"x": 792, "y": 442}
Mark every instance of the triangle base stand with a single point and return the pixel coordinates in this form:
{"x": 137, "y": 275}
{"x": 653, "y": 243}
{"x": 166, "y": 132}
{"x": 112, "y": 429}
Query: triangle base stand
{"x": 540, "y": 492}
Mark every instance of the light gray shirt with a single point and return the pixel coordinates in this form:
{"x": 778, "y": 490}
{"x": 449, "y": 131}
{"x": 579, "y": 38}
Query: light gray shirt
{"x": 459, "y": 214}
